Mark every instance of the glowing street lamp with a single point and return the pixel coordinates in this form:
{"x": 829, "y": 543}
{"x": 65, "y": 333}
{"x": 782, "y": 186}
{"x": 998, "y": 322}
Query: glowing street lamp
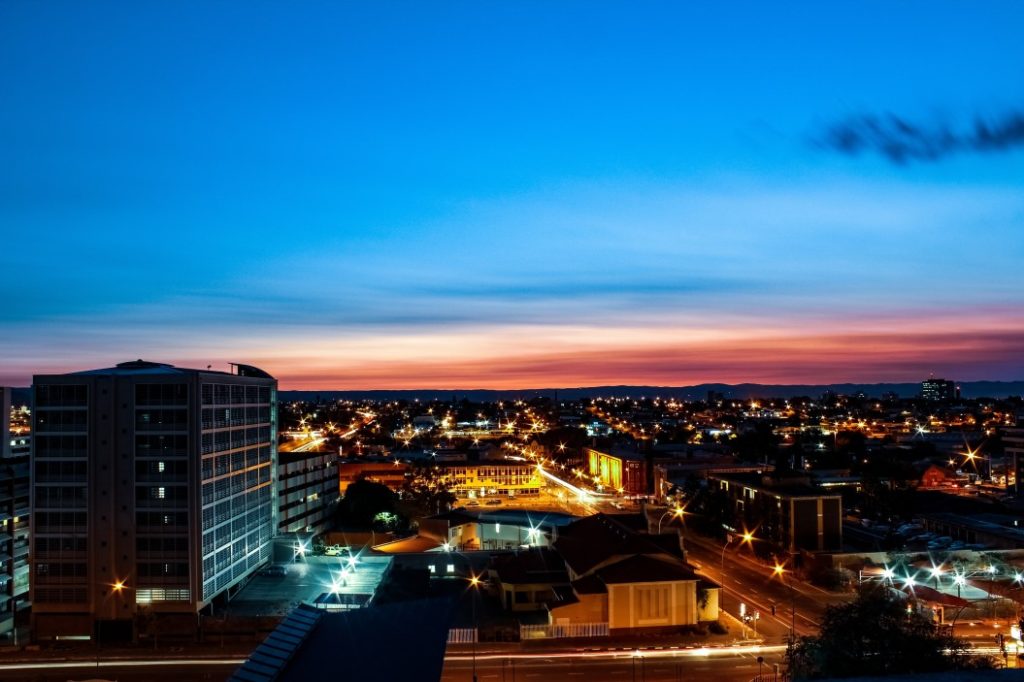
{"x": 677, "y": 513}
{"x": 779, "y": 571}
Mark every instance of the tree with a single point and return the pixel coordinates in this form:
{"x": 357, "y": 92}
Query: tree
{"x": 426, "y": 493}
{"x": 363, "y": 501}
{"x": 876, "y": 635}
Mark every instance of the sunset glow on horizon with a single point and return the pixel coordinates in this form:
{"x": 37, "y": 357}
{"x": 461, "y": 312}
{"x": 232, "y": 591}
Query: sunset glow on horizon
{"x": 354, "y": 198}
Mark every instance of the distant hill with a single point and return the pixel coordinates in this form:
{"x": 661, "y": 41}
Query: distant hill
{"x": 969, "y": 389}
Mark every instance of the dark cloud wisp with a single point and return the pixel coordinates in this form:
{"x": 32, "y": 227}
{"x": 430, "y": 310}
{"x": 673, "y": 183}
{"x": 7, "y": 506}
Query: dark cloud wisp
{"x": 901, "y": 141}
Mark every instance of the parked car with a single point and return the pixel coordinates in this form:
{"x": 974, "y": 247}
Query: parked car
{"x": 493, "y": 503}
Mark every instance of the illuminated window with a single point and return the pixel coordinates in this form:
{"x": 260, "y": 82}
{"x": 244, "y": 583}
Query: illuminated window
{"x": 160, "y": 467}
{"x": 451, "y": 568}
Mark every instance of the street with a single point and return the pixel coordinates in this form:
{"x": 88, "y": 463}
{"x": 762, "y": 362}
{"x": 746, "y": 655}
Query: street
{"x": 660, "y": 666}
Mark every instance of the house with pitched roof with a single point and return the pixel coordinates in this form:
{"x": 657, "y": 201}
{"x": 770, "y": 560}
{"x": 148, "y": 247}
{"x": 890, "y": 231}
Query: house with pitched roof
{"x": 629, "y": 579}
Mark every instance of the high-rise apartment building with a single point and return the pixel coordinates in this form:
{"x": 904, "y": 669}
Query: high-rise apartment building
{"x": 153, "y": 486}
{"x": 14, "y": 521}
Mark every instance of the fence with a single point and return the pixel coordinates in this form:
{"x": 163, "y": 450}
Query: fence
{"x": 462, "y": 635}
{"x": 562, "y": 631}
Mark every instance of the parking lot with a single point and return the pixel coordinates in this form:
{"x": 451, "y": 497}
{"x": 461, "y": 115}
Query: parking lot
{"x": 305, "y": 579}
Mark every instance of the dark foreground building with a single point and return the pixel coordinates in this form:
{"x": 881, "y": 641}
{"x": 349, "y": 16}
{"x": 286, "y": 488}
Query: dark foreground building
{"x": 153, "y": 493}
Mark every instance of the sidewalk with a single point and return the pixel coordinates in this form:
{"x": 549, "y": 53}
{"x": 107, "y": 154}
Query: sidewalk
{"x": 642, "y": 642}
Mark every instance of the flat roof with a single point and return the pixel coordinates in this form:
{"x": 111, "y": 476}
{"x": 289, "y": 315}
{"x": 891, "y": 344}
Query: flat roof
{"x": 782, "y": 488}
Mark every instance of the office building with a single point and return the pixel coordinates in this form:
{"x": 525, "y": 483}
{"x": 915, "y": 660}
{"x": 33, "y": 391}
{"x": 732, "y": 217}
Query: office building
{"x": 787, "y": 511}
{"x": 153, "y": 487}
{"x": 307, "y": 484}
{"x": 14, "y": 521}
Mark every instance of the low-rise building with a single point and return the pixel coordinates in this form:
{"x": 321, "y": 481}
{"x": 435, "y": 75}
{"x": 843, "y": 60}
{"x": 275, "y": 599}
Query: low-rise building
{"x": 488, "y": 479}
{"x": 787, "y": 511}
{"x": 390, "y": 472}
{"x": 628, "y": 579}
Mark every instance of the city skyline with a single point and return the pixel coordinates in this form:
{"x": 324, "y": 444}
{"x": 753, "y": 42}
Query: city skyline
{"x": 517, "y": 197}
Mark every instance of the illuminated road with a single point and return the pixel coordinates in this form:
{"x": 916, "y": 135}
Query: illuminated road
{"x": 651, "y": 666}
{"x": 750, "y": 583}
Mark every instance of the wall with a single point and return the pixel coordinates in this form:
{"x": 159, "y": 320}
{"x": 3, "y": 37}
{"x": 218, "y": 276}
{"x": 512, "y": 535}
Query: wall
{"x": 591, "y": 608}
{"x": 644, "y": 605}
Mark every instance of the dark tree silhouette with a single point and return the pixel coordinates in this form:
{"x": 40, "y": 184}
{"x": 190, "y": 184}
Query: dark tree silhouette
{"x": 876, "y": 635}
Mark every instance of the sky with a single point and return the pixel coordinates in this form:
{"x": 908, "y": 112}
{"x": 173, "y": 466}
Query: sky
{"x": 514, "y": 195}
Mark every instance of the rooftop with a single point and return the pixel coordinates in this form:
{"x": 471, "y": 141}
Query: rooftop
{"x": 147, "y": 368}
{"x": 794, "y": 485}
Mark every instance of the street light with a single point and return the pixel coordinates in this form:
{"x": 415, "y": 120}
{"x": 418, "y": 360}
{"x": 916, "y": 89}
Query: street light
{"x": 474, "y": 583}
{"x": 677, "y": 513}
{"x": 747, "y": 537}
{"x": 780, "y": 571}
{"x": 959, "y": 580}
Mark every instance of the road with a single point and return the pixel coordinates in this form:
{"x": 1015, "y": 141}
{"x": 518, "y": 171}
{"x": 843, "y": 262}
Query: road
{"x": 748, "y": 582}
{"x": 623, "y": 666}
{"x": 586, "y": 666}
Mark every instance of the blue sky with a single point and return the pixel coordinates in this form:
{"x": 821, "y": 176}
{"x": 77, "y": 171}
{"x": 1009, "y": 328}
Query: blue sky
{"x": 403, "y": 194}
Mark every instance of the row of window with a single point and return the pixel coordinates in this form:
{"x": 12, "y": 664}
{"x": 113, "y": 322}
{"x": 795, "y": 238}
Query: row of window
{"x": 161, "y": 419}
{"x": 223, "y": 417}
{"x": 161, "y": 394}
{"x": 236, "y": 461}
{"x": 233, "y": 394}
{"x": 61, "y": 421}
{"x": 236, "y": 438}
{"x": 60, "y": 395}
{"x": 61, "y": 446}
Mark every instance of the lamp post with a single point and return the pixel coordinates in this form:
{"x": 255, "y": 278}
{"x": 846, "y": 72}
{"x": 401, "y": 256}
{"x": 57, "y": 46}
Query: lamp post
{"x": 780, "y": 571}
{"x": 747, "y": 537}
{"x": 474, "y": 583}
{"x": 992, "y": 570}
{"x": 116, "y": 588}
{"x": 677, "y": 513}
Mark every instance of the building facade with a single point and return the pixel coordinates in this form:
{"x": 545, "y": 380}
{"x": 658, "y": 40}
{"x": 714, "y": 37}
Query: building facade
{"x": 307, "y": 484}
{"x": 14, "y": 521}
{"x": 786, "y": 511}
{"x": 486, "y": 479}
{"x": 625, "y": 472}
{"x": 153, "y": 486}
{"x": 389, "y": 472}
{"x": 1013, "y": 441}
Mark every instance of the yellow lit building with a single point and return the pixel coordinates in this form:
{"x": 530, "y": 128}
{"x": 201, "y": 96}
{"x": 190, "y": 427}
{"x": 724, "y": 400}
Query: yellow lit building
{"x": 486, "y": 479}
{"x": 626, "y": 471}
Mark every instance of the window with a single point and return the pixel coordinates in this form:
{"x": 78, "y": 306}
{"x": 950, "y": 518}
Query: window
{"x": 451, "y": 568}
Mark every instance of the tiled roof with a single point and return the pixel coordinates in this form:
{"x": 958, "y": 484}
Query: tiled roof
{"x": 536, "y": 565}
{"x": 595, "y": 539}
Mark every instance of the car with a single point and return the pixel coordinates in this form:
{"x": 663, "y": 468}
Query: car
{"x": 472, "y": 503}
{"x": 275, "y": 571}
{"x": 332, "y": 551}
{"x": 493, "y": 503}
